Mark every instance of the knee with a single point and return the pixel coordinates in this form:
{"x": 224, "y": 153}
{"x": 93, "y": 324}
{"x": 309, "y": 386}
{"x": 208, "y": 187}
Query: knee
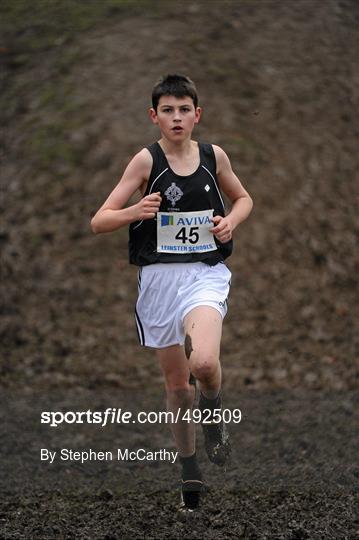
{"x": 204, "y": 367}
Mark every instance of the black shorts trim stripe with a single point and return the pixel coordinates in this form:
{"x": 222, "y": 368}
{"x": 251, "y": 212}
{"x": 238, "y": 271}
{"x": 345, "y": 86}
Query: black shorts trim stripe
{"x": 139, "y": 278}
{"x": 140, "y": 332}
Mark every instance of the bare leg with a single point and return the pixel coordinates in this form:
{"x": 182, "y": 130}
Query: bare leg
{"x": 203, "y": 331}
{"x": 180, "y": 394}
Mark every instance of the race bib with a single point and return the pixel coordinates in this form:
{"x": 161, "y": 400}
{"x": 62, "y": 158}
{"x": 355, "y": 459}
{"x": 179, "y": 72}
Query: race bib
{"x": 185, "y": 232}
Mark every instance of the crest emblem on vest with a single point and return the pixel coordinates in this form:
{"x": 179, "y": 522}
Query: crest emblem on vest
{"x": 173, "y": 193}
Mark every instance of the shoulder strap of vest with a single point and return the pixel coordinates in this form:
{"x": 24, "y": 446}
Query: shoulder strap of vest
{"x": 159, "y": 162}
{"x": 210, "y": 165}
{"x": 209, "y": 158}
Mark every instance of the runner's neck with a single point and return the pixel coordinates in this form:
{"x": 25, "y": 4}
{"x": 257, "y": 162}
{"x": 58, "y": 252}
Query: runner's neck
{"x": 182, "y": 150}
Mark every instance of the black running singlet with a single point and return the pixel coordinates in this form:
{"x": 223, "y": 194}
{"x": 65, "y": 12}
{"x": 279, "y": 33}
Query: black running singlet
{"x": 195, "y": 192}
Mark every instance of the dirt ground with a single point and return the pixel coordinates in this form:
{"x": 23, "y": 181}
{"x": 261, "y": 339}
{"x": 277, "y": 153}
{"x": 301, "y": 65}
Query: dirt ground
{"x": 278, "y": 82}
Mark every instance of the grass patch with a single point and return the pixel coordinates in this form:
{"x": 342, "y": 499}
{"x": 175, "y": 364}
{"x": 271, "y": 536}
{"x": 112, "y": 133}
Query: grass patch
{"x": 245, "y": 143}
{"x": 37, "y": 25}
{"x": 50, "y": 146}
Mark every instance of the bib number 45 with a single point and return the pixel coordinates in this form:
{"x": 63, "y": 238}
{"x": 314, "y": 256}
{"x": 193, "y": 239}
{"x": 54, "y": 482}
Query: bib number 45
{"x": 192, "y": 237}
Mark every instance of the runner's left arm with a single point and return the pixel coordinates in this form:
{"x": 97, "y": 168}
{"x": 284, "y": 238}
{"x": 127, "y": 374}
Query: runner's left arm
{"x": 242, "y": 203}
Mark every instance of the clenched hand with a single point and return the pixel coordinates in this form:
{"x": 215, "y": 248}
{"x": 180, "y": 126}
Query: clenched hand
{"x": 148, "y": 206}
{"x": 222, "y": 229}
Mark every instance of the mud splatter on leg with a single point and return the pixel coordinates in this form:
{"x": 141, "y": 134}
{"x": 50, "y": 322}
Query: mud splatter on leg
{"x": 188, "y": 346}
{"x": 192, "y": 379}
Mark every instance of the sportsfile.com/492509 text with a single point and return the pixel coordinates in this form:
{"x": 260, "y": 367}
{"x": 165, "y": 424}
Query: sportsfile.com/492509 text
{"x": 115, "y": 415}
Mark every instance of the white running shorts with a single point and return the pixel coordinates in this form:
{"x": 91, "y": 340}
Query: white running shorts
{"x": 168, "y": 291}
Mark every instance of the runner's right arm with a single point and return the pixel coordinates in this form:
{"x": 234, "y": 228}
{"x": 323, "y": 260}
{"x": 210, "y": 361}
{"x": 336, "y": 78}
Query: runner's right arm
{"x": 112, "y": 215}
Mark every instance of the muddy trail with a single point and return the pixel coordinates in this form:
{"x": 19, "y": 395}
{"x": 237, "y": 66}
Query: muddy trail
{"x": 278, "y": 83}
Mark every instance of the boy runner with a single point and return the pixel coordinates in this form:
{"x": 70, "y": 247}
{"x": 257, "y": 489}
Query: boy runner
{"x": 179, "y": 238}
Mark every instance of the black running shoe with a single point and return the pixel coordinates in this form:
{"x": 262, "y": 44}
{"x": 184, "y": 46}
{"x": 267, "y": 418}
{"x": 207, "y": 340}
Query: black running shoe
{"x": 216, "y": 441}
{"x": 190, "y": 495}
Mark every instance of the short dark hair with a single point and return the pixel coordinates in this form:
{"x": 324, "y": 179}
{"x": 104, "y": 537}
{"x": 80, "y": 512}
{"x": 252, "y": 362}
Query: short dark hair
{"x": 174, "y": 85}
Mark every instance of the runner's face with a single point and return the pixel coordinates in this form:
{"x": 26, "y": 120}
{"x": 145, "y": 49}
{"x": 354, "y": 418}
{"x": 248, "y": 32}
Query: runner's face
{"x": 176, "y": 117}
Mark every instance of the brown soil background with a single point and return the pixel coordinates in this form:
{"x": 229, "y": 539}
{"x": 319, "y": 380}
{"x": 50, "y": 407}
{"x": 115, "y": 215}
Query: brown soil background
{"x": 278, "y": 82}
